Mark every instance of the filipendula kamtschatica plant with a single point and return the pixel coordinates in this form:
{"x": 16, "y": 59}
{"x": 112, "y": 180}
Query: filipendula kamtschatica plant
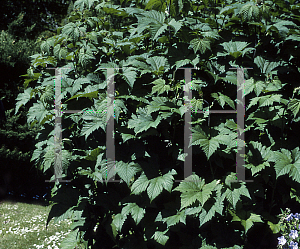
{"x": 290, "y": 227}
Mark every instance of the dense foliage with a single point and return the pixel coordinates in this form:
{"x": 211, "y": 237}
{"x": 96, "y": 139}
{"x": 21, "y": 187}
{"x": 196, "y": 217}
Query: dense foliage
{"x": 20, "y": 37}
{"x": 37, "y": 15}
{"x": 150, "y": 41}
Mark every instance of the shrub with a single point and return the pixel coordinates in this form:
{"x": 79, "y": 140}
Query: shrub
{"x": 150, "y": 41}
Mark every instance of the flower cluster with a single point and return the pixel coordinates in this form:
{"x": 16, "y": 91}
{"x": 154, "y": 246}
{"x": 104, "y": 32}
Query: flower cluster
{"x": 290, "y": 225}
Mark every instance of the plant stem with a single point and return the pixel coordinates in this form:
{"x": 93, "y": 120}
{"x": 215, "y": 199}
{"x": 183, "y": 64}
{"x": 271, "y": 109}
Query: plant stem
{"x": 272, "y": 199}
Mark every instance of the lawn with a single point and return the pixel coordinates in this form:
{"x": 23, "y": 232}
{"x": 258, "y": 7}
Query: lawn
{"x": 23, "y": 226}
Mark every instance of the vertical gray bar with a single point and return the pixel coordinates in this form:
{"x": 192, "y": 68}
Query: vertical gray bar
{"x": 240, "y": 155}
{"x": 188, "y": 167}
{"x": 110, "y": 138}
{"x": 57, "y": 128}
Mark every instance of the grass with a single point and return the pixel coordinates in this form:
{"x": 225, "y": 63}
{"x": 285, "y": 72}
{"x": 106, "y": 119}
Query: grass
{"x": 23, "y": 226}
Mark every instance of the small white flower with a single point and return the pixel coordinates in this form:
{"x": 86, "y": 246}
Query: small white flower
{"x": 281, "y": 240}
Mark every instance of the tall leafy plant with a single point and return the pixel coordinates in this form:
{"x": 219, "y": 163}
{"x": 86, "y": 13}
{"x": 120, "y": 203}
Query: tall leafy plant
{"x": 150, "y": 41}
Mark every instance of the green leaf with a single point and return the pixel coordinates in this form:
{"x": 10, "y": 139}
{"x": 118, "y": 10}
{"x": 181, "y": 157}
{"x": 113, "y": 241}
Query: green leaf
{"x": 280, "y": 27}
{"x": 159, "y": 31}
{"x": 267, "y": 100}
{"x": 73, "y": 87}
{"x": 193, "y": 210}
{"x": 73, "y": 31}
{"x": 287, "y": 163}
{"x": 37, "y": 112}
{"x": 249, "y": 12}
{"x": 85, "y": 57}
{"x": 294, "y": 106}
{"x": 234, "y": 48}
{"x": 273, "y": 86}
{"x": 197, "y": 104}
{"x": 233, "y": 196}
{"x": 230, "y": 77}
{"x": 156, "y": 185}
{"x": 157, "y": 64}
{"x": 98, "y": 120}
{"x": 118, "y": 221}
{"x": 126, "y": 137}
{"x": 160, "y": 237}
{"x": 160, "y": 86}
{"x": 159, "y": 104}
{"x": 87, "y": 3}
{"x": 129, "y": 74}
{"x": 140, "y": 185}
{"x": 60, "y": 52}
{"x": 51, "y": 158}
{"x": 274, "y": 227}
{"x": 45, "y": 45}
{"x": 211, "y": 34}
{"x": 194, "y": 189}
{"x": 293, "y": 37}
{"x": 47, "y": 94}
{"x": 257, "y": 86}
{"x": 265, "y": 66}
{"x": 93, "y": 155}
{"x": 209, "y": 146}
{"x": 26, "y": 82}
{"x": 88, "y": 95}
{"x": 70, "y": 241}
{"x": 295, "y": 195}
{"x": 200, "y": 44}
{"x": 182, "y": 63}
{"x": 228, "y": 9}
{"x": 142, "y": 121}
{"x": 127, "y": 170}
{"x": 155, "y": 4}
{"x": 153, "y": 20}
{"x": 206, "y": 216}
{"x": 198, "y": 135}
{"x": 23, "y": 98}
{"x": 174, "y": 219}
{"x": 258, "y": 157}
{"x": 136, "y": 212}
{"x": 247, "y": 223}
{"x": 104, "y": 167}
{"x": 96, "y": 176}
{"x": 222, "y": 99}
{"x": 118, "y": 107}
{"x": 176, "y": 25}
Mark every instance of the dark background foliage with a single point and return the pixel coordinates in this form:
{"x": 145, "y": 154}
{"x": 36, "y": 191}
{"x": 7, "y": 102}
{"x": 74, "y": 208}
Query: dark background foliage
{"x": 23, "y": 25}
